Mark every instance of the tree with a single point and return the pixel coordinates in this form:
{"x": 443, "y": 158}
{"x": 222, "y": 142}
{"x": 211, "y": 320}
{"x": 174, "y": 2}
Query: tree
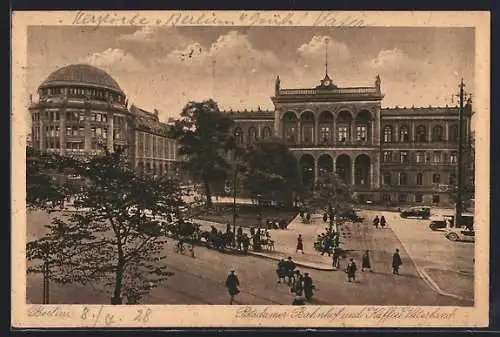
{"x": 116, "y": 237}
{"x": 271, "y": 170}
{"x": 331, "y": 195}
{"x": 42, "y": 188}
{"x": 467, "y": 194}
{"x": 204, "y": 134}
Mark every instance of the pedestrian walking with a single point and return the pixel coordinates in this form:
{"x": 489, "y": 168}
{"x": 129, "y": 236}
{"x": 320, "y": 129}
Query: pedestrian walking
{"x": 351, "y": 271}
{"x": 300, "y": 244}
{"x": 336, "y": 258}
{"x": 325, "y": 217}
{"x": 396, "y": 262}
{"x": 290, "y": 268}
{"x": 308, "y": 286}
{"x": 376, "y": 221}
{"x": 246, "y": 242}
{"x": 383, "y": 222}
{"x": 297, "y": 287}
{"x": 232, "y": 284}
{"x": 281, "y": 270}
{"x": 366, "y": 264}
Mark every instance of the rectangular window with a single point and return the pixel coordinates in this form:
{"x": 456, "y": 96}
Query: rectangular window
{"x": 147, "y": 145}
{"x": 403, "y": 156}
{"x": 420, "y": 157}
{"x": 324, "y": 135}
{"x": 403, "y": 179}
{"x": 342, "y": 133}
{"x": 453, "y": 158}
{"x": 387, "y": 157}
{"x": 361, "y": 133}
{"x": 436, "y": 157}
{"x": 419, "y": 197}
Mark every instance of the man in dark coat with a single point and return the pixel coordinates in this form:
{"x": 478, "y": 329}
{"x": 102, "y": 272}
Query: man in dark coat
{"x": 290, "y": 268}
{"x": 300, "y": 244}
{"x": 232, "y": 284}
{"x": 383, "y": 222}
{"x": 351, "y": 271}
{"x": 308, "y": 286}
{"x": 298, "y": 287}
{"x": 396, "y": 262}
{"x": 281, "y": 271}
{"x": 336, "y": 258}
{"x": 376, "y": 221}
{"x": 366, "y": 264}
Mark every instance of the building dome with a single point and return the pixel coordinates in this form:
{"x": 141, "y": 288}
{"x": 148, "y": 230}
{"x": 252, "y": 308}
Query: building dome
{"x": 81, "y": 74}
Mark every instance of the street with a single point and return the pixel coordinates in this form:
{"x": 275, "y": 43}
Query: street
{"x": 200, "y": 280}
{"x": 449, "y": 264}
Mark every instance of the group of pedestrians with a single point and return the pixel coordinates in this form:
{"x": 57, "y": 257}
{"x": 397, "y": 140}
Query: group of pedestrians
{"x": 301, "y": 285}
{"x": 379, "y": 222}
{"x": 366, "y": 265}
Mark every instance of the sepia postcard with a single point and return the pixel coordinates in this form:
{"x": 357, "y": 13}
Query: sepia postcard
{"x": 250, "y": 169}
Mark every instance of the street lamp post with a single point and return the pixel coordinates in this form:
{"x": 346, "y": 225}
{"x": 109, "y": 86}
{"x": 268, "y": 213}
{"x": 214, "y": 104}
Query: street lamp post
{"x": 234, "y": 203}
{"x": 459, "y": 186}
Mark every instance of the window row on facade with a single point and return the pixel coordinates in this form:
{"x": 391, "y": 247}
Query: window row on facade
{"x": 423, "y": 134}
{"x": 77, "y": 131}
{"x": 78, "y": 116}
{"x": 419, "y": 157}
{"x": 157, "y": 167}
{"x": 154, "y": 146}
{"x": 99, "y": 94}
{"x": 343, "y": 134}
{"x": 252, "y": 135}
{"x": 418, "y": 179}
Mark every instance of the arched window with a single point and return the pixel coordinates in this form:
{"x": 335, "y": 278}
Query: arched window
{"x": 266, "y": 132}
{"x": 420, "y": 179}
{"x": 404, "y": 135}
{"x": 403, "y": 178}
{"x": 437, "y": 134}
{"x": 238, "y": 136}
{"x": 421, "y": 134}
{"x": 387, "y": 134}
{"x": 252, "y": 135}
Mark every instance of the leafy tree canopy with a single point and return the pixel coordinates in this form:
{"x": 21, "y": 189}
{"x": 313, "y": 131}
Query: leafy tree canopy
{"x": 271, "y": 169}
{"x": 117, "y": 236}
{"x": 204, "y": 134}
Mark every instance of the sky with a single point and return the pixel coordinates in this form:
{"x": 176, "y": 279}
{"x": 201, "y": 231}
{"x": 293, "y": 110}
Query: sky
{"x": 163, "y": 68}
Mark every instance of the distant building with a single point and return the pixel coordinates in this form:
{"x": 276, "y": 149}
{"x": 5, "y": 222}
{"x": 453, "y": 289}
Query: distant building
{"x": 401, "y": 155}
{"x": 82, "y": 110}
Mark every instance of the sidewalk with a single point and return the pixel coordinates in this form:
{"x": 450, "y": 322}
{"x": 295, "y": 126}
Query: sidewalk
{"x": 285, "y": 242}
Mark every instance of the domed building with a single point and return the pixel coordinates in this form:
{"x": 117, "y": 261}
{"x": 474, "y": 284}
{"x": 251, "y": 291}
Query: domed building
{"x": 81, "y": 111}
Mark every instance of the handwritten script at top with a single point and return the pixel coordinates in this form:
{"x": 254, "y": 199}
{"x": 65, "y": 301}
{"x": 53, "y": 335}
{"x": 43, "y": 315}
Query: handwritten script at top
{"x": 327, "y": 19}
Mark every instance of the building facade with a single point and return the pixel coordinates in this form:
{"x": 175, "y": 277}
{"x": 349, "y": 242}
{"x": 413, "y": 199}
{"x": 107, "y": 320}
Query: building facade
{"x": 81, "y": 111}
{"x": 393, "y": 155}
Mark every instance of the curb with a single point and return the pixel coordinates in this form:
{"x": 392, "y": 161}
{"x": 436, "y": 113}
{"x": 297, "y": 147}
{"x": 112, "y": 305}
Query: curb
{"x": 436, "y": 288}
{"x": 298, "y": 263}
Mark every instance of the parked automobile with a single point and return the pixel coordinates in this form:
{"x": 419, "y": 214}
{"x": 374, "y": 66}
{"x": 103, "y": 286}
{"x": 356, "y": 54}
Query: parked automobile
{"x": 467, "y": 222}
{"x": 351, "y": 216}
{"x": 460, "y": 234}
{"x": 416, "y": 212}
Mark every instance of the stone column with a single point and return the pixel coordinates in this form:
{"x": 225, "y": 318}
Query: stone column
{"x": 353, "y": 171}
{"x": 376, "y": 171}
{"x": 376, "y": 135}
{"x": 446, "y": 132}
{"x": 372, "y": 175}
{"x": 278, "y": 123}
{"x": 334, "y": 162}
{"x": 316, "y": 130}
{"x": 41, "y": 132}
{"x": 62, "y": 130}
{"x": 429, "y": 133}
{"x": 86, "y": 131}
{"x": 259, "y": 131}
{"x": 412, "y": 131}
{"x": 334, "y": 130}
{"x": 110, "y": 140}
{"x": 372, "y": 135}
{"x": 397, "y": 138}
{"x": 316, "y": 171}
{"x": 299, "y": 137}
{"x": 352, "y": 136}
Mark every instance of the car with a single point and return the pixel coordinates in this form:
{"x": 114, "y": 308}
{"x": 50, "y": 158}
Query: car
{"x": 460, "y": 234}
{"x": 437, "y": 224}
{"x": 351, "y": 216}
{"x": 416, "y": 212}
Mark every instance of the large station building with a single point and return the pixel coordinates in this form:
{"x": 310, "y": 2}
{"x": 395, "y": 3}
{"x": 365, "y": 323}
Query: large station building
{"x": 400, "y": 155}
{"x": 81, "y": 111}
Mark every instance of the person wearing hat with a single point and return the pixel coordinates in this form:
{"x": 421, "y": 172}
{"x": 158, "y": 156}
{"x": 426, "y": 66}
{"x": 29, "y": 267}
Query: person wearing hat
{"x": 351, "y": 271}
{"x": 289, "y": 268}
{"x": 297, "y": 286}
{"x": 232, "y": 284}
{"x": 308, "y": 286}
